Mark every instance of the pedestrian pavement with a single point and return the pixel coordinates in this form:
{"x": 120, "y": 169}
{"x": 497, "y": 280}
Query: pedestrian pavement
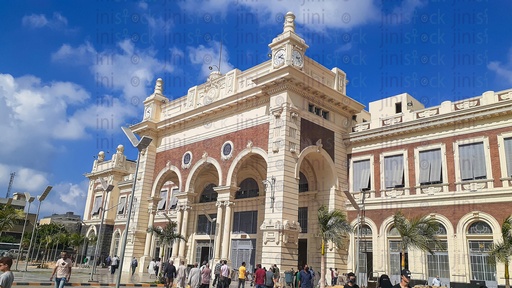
{"x": 34, "y": 277}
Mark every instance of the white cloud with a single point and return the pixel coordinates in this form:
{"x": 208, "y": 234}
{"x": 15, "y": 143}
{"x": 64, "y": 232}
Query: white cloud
{"x": 65, "y": 197}
{"x": 504, "y": 70}
{"x": 207, "y": 57}
{"x": 127, "y": 69}
{"x": 57, "y": 22}
{"x": 315, "y": 15}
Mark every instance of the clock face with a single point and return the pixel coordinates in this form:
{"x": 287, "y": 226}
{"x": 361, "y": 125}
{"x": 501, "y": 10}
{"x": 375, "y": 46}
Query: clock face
{"x": 279, "y": 58}
{"x": 147, "y": 112}
{"x": 297, "y": 58}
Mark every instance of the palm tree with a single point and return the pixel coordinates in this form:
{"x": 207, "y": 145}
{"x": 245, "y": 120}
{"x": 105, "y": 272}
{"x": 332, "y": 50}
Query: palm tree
{"x": 333, "y": 226}
{"x": 503, "y": 249}
{"x": 418, "y": 232}
{"x": 8, "y": 217}
{"x": 76, "y": 240}
{"x": 167, "y": 234}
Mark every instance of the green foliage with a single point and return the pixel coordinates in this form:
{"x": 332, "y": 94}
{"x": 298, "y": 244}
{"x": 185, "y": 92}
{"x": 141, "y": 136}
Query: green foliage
{"x": 417, "y": 232}
{"x": 502, "y": 250}
{"x": 333, "y": 226}
{"x": 167, "y": 234}
{"x": 9, "y": 216}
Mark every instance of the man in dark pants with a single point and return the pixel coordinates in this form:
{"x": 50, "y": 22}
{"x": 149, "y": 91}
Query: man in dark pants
{"x": 216, "y": 272}
{"x": 169, "y": 272}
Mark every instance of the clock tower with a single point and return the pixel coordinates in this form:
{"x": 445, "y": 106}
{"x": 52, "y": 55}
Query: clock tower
{"x": 288, "y": 48}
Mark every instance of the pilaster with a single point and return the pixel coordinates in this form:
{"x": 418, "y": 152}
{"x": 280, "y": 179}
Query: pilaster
{"x": 280, "y": 227}
{"x": 152, "y": 209}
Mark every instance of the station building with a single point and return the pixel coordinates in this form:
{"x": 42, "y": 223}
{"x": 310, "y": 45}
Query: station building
{"x": 243, "y": 162}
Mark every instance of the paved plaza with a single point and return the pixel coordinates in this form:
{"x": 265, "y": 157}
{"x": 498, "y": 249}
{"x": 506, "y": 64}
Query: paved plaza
{"x": 80, "y": 278}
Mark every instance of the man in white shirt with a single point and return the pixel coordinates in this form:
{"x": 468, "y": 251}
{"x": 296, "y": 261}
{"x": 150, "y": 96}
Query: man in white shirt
{"x": 63, "y": 270}
{"x": 224, "y": 275}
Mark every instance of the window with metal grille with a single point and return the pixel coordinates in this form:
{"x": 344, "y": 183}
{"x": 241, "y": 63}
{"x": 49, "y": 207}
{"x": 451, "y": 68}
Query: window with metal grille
{"x": 245, "y": 222}
{"x": 303, "y": 219}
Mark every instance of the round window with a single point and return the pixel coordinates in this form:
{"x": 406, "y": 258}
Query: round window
{"x": 226, "y": 150}
{"x": 186, "y": 158}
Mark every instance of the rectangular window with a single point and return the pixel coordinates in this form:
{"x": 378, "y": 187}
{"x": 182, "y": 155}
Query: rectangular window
{"x": 472, "y": 161}
{"x": 430, "y": 167}
{"x": 204, "y": 226}
{"x": 508, "y": 155}
{"x": 437, "y": 263}
{"x": 361, "y": 175}
{"x": 122, "y": 206}
{"x": 311, "y": 108}
{"x": 163, "y": 201}
{"x": 97, "y": 205}
{"x": 398, "y": 107}
{"x": 245, "y": 222}
{"x": 394, "y": 171}
{"x": 303, "y": 219}
{"x": 174, "y": 198}
{"x": 325, "y": 115}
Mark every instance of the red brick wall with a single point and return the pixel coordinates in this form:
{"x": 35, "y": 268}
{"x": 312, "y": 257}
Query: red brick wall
{"x": 258, "y": 135}
{"x": 453, "y": 212}
{"x": 448, "y": 141}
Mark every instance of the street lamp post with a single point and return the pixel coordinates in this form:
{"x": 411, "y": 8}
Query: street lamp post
{"x": 107, "y": 188}
{"x": 141, "y": 144}
{"x": 40, "y": 198}
{"x": 28, "y": 199}
{"x": 210, "y": 234}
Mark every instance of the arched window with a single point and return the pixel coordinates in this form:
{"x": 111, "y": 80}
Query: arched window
{"x": 480, "y": 242}
{"x": 208, "y": 195}
{"x": 248, "y": 189}
{"x": 365, "y": 247}
{"x": 303, "y": 183}
{"x": 117, "y": 237}
{"x": 438, "y": 263}
{"x": 480, "y": 227}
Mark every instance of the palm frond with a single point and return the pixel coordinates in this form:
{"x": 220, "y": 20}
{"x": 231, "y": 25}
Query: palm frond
{"x": 333, "y": 225}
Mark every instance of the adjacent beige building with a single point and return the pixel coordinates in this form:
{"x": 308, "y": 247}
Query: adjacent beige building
{"x": 243, "y": 162}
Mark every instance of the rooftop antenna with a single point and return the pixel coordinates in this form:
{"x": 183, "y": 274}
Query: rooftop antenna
{"x": 220, "y": 59}
{"x": 13, "y": 174}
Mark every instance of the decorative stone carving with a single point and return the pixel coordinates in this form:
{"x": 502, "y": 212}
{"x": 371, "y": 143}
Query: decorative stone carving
{"x": 249, "y": 145}
{"x": 427, "y": 113}
{"x": 361, "y": 127}
{"x": 159, "y": 87}
{"x": 474, "y": 186}
{"x": 394, "y": 193}
{"x": 431, "y": 190}
{"x": 467, "y": 104}
{"x": 319, "y": 145}
{"x": 506, "y": 96}
{"x": 392, "y": 121}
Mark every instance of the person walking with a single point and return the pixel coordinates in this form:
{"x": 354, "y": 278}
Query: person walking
{"x": 62, "y": 270}
{"x": 305, "y": 278}
{"x": 7, "y": 276}
{"x": 181, "y": 275}
{"x": 259, "y": 277}
{"x": 134, "y": 265}
{"x": 216, "y": 272}
{"x": 224, "y": 275}
{"x": 114, "y": 264}
{"x": 269, "y": 278}
{"x": 157, "y": 266}
{"x": 206, "y": 276}
{"x": 194, "y": 276}
{"x": 242, "y": 275}
{"x": 151, "y": 268}
{"x": 169, "y": 272}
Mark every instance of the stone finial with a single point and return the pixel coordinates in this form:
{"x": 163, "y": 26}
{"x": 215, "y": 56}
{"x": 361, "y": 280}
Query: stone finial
{"x": 120, "y": 149}
{"x": 101, "y": 156}
{"x": 159, "y": 86}
{"x": 289, "y": 24}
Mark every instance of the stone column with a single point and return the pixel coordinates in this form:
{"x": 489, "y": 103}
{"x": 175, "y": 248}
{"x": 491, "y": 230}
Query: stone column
{"x": 153, "y": 202}
{"x": 218, "y": 232}
{"x": 226, "y": 235}
{"x": 184, "y": 227}
{"x": 176, "y": 244}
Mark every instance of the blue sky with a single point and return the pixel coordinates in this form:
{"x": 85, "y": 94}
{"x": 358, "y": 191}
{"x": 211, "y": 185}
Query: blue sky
{"x": 72, "y": 73}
